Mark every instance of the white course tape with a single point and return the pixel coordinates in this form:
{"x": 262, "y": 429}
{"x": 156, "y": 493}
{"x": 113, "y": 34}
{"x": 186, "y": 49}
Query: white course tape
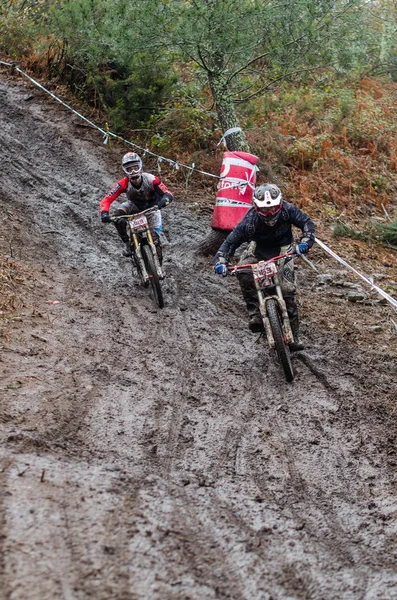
{"x": 385, "y": 295}
{"x": 107, "y": 134}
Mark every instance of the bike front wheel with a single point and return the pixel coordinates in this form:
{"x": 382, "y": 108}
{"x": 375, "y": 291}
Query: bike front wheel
{"x": 283, "y": 352}
{"x": 153, "y": 275}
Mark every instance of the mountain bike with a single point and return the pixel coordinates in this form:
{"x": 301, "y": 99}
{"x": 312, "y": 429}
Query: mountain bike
{"x": 272, "y": 308}
{"x": 144, "y": 254}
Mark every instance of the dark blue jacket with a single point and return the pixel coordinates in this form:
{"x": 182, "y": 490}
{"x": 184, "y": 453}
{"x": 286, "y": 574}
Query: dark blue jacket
{"x": 269, "y": 239}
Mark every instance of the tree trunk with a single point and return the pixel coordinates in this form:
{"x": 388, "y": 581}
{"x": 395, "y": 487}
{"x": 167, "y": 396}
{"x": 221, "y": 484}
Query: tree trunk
{"x": 227, "y": 113}
{"x": 234, "y": 142}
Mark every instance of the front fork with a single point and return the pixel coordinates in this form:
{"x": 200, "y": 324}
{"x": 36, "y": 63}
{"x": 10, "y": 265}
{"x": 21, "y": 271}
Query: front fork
{"x": 138, "y": 252}
{"x": 152, "y": 245}
{"x": 289, "y": 338}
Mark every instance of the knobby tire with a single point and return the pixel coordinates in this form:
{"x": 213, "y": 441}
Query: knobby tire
{"x": 273, "y": 312}
{"x": 154, "y": 278}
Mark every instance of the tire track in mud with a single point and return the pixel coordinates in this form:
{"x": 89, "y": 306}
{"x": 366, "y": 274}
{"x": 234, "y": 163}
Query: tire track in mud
{"x": 176, "y": 336}
{"x": 300, "y": 487}
{"x": 191, "y": 535}
{"x": 192, "y": 334}
{"x": 336, "y": 534}
{"x": 255, "y": 537}
{"x": 176, "y": 428}
{"x": 328, "y": 531}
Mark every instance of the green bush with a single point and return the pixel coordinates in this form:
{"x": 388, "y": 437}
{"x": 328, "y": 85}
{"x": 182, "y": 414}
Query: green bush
{"x": 388, "y": 233}
{"x": 342, "y": 230}
{"x": 133, "y": 99}
{"x": 21, "y": 24}
{"x": 185, "y": 125}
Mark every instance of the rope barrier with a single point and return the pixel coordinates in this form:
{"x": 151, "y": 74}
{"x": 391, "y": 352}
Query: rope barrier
{"x": 385, "y": 295}
{"x": 109, "y": 134}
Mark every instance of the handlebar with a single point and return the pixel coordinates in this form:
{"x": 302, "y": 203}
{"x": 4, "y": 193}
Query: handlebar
{"x": 135, "y": 215}
{"x": 232, "y": 270}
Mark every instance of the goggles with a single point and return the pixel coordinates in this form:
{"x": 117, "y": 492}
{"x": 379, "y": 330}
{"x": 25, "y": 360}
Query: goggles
{"x": 133, "y": 169}
{"x": 268, "y": 212}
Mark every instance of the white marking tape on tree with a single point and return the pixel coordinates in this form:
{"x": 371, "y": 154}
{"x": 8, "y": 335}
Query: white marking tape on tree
{"x": 228, "y": 132}
{"x": 385, "y": 295}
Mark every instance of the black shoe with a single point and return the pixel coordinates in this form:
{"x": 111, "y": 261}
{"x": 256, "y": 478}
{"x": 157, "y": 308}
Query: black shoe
{"x": 297, "y": 345}
{"x": 256, "y": 324}
{"x": 128, "y": 249}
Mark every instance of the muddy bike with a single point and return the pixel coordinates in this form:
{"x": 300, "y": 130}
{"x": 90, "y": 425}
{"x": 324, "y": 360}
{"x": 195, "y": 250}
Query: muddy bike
{"x": 144, "y": 254}
{"x": 272, "y": 308}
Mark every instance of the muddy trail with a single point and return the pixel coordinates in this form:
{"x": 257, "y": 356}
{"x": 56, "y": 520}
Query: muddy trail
{"x": 160, "y": 454}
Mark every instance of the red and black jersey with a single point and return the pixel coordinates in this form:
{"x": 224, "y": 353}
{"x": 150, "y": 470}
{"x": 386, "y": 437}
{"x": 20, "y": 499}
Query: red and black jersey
{"x": 150, "y": 190}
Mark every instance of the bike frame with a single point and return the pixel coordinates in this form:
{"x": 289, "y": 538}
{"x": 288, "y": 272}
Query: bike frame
{"x": 265, "y": 274}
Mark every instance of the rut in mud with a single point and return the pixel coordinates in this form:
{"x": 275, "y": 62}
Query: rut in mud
{"x": 160, "y": 454}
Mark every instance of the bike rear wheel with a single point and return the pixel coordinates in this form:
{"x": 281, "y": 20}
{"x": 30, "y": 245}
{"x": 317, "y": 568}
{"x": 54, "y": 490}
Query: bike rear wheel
{"x": 283, "y": 352}
{"x": 153, "y": 275}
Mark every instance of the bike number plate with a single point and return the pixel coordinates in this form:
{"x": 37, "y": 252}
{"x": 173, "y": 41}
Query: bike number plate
{"x": 138, "y": 224}
{"x": 266, "y": 270}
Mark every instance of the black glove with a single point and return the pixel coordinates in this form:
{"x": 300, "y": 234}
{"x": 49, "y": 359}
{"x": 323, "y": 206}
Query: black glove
{"x": 105, "y": 218}
{"x": 164, "y": 201}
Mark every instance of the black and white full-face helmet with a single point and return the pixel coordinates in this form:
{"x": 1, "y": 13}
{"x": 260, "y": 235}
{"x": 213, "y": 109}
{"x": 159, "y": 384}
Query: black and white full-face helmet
{"x": 267, "y": 200}
{"x": 132, "y": 165}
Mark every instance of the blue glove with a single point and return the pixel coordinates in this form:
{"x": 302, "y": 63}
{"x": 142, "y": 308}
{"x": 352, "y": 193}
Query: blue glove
{"x": 221, "y": 267}
{"x": 105, "y": 218}
{"x": 302, "y": 248}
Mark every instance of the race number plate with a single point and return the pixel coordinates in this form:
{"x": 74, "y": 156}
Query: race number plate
{"x": 139, "y": 223}
{"x": 265, "y": 270}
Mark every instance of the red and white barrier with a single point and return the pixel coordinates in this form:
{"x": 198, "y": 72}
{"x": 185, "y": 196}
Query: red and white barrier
{"x": 235, "y": 189}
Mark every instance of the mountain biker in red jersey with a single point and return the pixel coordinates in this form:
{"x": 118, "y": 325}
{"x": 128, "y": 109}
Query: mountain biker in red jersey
{"x": 267, "y": 227}
{"x": 143, "y": 191}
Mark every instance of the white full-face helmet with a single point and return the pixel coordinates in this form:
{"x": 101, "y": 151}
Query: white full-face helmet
{"x": 132, "y": 165}
{"x": 267, "y": 200}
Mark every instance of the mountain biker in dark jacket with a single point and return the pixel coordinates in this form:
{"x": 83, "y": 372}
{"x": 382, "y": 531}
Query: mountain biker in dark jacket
{"x": 267, "y": 227}
{"x": 143, "y": 191}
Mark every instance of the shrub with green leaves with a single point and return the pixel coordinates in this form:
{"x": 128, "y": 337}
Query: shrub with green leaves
{"x": 388, "y": 232}
{"x": 342, "y": 230}
{"x": 21, "y": 24}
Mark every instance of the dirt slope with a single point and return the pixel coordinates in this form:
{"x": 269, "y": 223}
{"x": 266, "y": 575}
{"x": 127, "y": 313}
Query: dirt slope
{"x": 151, "y": 454}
